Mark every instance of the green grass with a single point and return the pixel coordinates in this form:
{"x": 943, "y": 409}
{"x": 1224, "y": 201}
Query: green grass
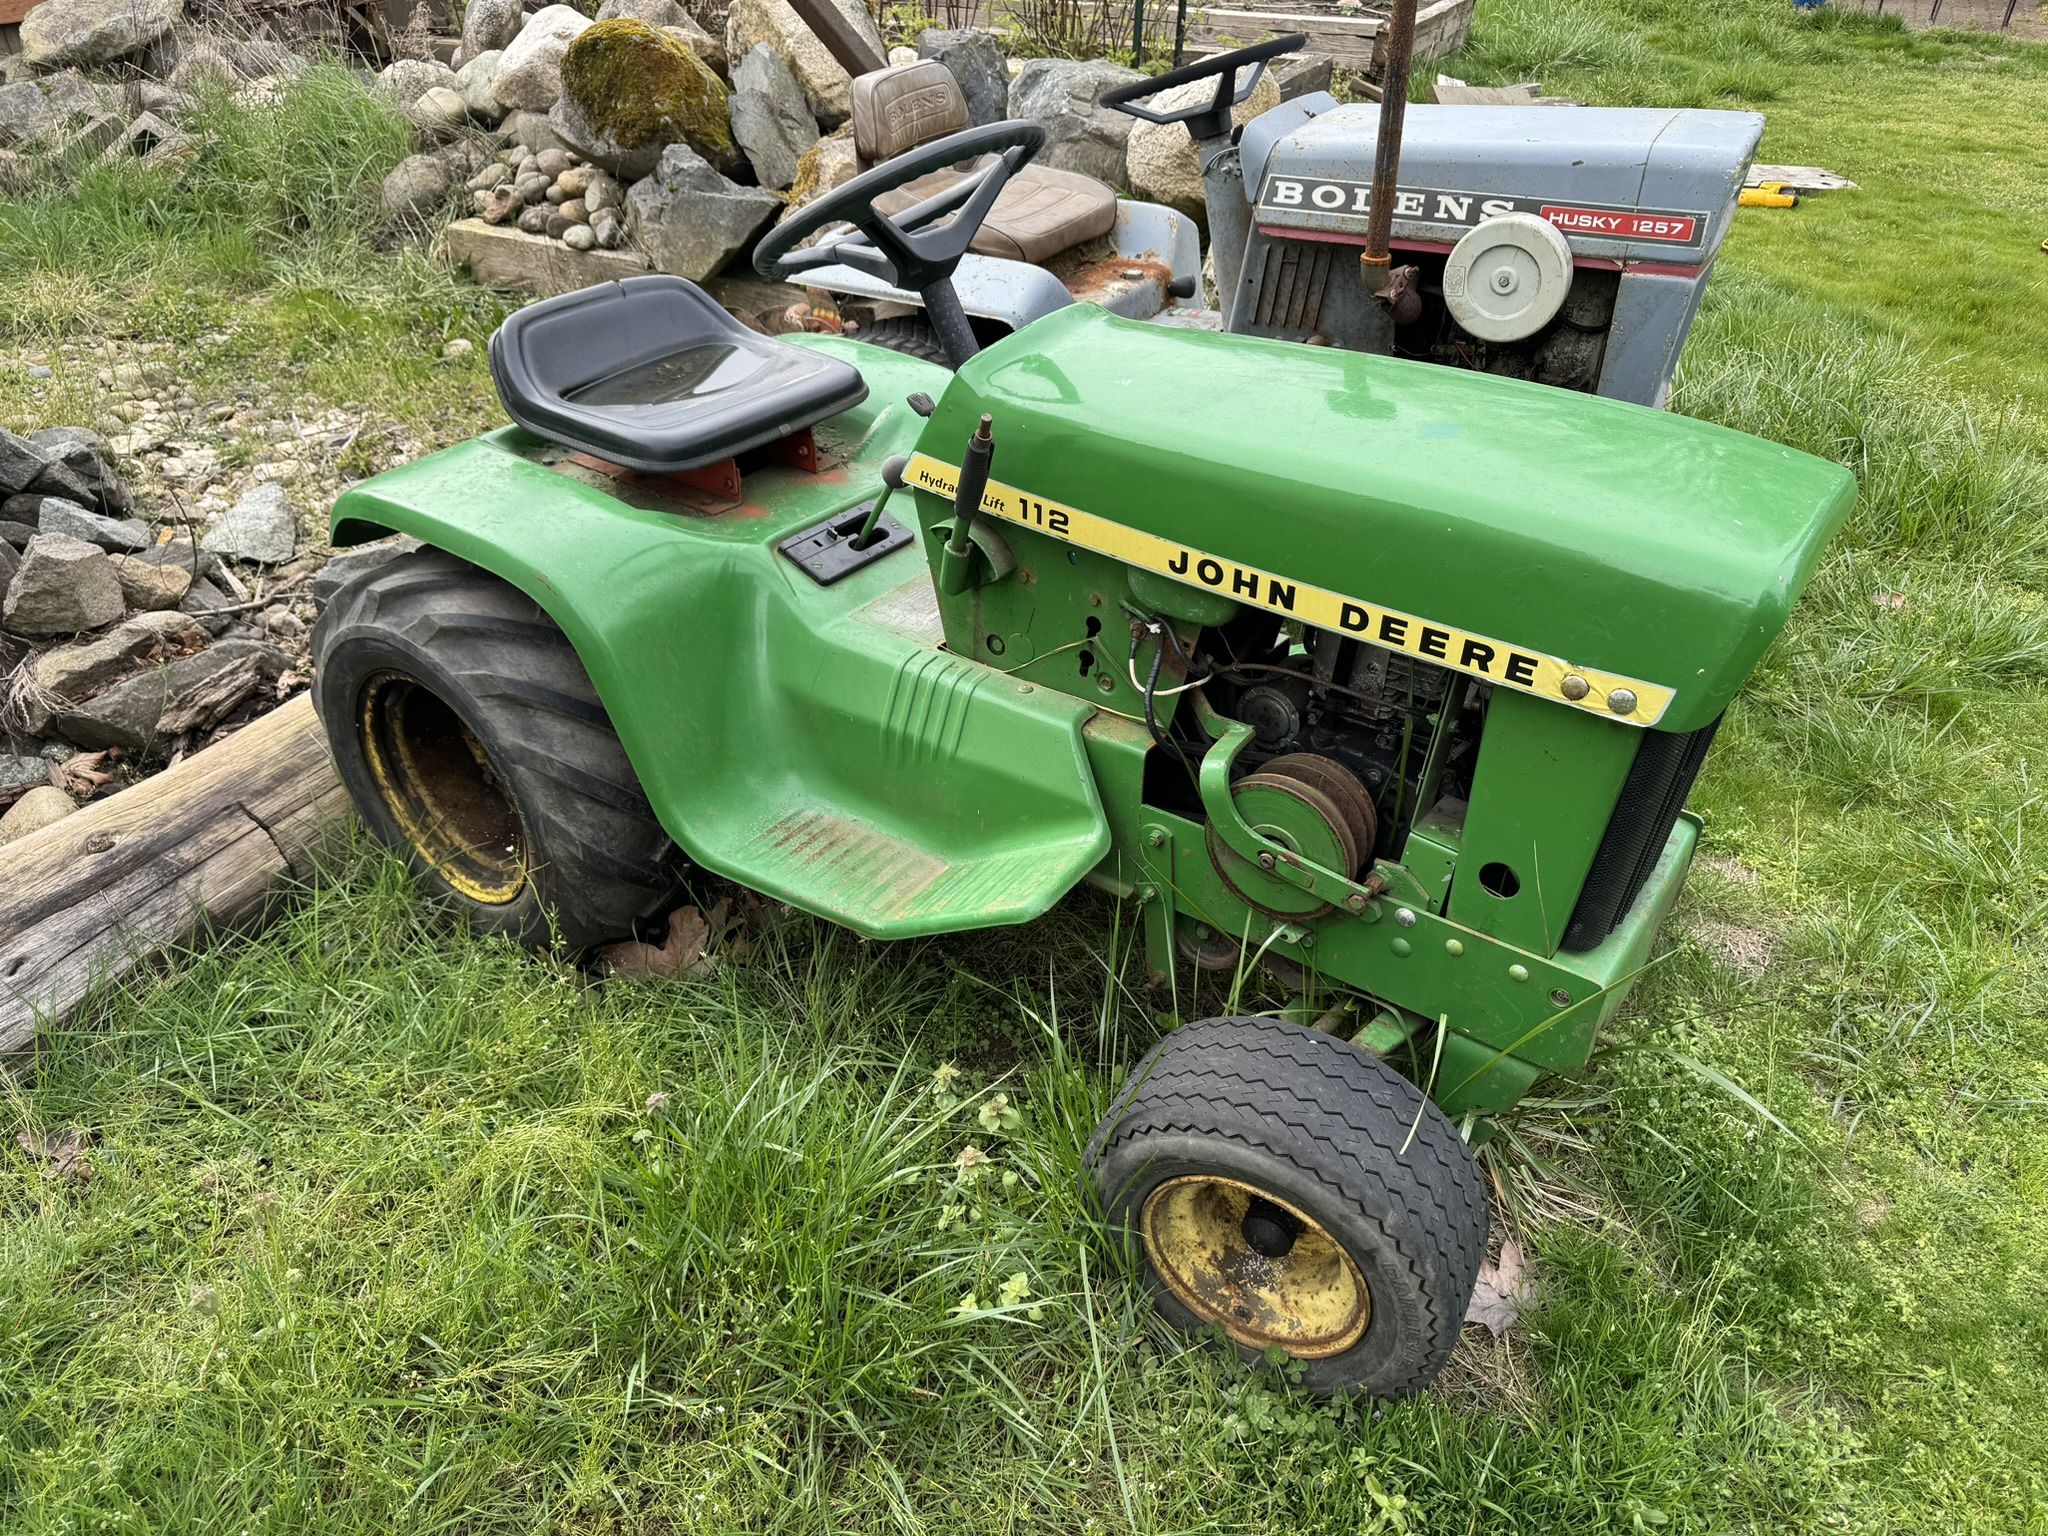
{"x": 384, "y": 1235}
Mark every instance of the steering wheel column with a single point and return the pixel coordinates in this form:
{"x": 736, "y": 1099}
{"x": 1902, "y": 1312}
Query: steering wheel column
{"x": 921, "y": 247}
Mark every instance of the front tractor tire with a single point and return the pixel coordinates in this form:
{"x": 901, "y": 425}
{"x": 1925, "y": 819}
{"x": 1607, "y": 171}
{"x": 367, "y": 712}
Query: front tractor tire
{"x": 1292, "y": 1190}
{"x": 471, "y": 740}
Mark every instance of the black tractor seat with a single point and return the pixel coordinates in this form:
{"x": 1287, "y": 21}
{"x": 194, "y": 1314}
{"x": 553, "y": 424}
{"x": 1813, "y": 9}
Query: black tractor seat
{"x": 652, "y": 374}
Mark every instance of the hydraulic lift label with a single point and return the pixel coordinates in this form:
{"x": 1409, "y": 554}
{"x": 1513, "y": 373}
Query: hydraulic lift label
{"x": 1496, "y": 661}
{"x": 1286, "y": 195}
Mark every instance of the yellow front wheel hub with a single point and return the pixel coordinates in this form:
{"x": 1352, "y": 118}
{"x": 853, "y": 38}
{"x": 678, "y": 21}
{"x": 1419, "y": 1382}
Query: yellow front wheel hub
{"x": 1259, "y": 1267}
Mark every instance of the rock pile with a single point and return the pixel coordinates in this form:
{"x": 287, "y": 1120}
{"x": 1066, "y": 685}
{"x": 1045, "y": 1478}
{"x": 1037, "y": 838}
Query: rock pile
{"x": 554, "y": 192}
{"x": 120, "y": 637}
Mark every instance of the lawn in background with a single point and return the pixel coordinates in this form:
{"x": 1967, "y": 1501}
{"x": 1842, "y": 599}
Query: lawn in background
{"x": 392, "y": 1230}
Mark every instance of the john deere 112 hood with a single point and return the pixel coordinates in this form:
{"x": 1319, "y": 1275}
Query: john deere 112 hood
{"x": 1628, "y": 184}
{"x": 1528, "y": 536}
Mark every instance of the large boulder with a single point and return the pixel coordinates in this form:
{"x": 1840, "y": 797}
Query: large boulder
{"x": 1160, "y": 157}
{"x": 770, "y": 117}
{"x": 827, "y": 165}
{"x": 477, "y": 84}
{"x": 827, "y": 87}
{"x": 188, "y": 695}
{"x": 60, "y": 32}
{"x": 416, "y": 188}
{"x": 530, "y": 74}
{"x": 1080, "y": 134}
{"x": 261, "y": 527}
{"x": 489, "y": 25}
{"x": 64, "y": 585}
{"x": 975, "y": 59}
{"x": 689, "y": 219}
{"x": 629, "y": 91}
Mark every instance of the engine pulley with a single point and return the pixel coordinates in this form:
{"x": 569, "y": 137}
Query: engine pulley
{"x": 1508, "y": 277}
{"x": 1298, "y": 802}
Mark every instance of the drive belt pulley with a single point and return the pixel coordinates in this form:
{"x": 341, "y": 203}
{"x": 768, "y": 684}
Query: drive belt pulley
{"x": 1313, "y": 807}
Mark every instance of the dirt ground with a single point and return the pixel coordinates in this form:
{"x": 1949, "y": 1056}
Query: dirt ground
{"x": 1982, "y": 15}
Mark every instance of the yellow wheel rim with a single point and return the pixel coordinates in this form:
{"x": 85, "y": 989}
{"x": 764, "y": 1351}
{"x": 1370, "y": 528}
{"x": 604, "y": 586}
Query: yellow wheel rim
{"x": 1268, "y": 1274}
{"x": 442, "y": 789}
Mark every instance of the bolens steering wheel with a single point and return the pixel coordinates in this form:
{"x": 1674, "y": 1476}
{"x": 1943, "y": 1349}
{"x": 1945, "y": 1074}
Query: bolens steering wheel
{"x": 920, "y": 247}
{"x": 1210, "y": 119}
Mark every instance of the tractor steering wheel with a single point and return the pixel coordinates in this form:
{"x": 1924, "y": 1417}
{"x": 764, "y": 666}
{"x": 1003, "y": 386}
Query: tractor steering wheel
{"x": 904, "y": 248}
{"x": 1209, "y": 119}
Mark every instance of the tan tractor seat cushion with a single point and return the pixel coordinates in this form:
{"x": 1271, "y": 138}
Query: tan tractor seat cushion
{"x": 1041, "y": 213}
{"x": 902, "y": 107}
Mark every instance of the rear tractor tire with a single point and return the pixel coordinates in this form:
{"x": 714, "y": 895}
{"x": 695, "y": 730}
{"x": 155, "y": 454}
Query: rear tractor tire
{"x": 912, "y": 335}
{"x": 1292, "y": 1190}
{"x": 471, "y": 740}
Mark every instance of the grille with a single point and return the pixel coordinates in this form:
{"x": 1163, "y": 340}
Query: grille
{"x": 1292, "y": 284}
{"x": 1651, "y": 797}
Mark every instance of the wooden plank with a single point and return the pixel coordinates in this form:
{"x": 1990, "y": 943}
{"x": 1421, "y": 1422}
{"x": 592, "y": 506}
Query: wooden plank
{"x": 12, "y": 11}
{"x": 1801, "y": 178}
{"x": 106, "y": 890}
{"x": 498, "y": 257}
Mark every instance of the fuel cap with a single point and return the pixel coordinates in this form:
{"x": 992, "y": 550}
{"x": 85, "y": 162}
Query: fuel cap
{"x": 1508, "y": 277}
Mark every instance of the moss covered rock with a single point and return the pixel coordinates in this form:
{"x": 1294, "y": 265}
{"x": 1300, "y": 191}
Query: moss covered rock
{"x": 628, "y": 91}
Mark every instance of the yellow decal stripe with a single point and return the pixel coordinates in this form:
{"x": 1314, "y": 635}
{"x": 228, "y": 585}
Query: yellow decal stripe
{"x": 1509, "y": 666}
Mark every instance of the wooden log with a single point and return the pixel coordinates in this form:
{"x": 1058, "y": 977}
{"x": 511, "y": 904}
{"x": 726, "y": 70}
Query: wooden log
{"x": 498, "y": 257}
{"x": 91, "y": 897}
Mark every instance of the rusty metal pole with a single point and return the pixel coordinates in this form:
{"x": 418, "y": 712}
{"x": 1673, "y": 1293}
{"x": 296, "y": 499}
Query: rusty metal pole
{"x": 1386, "y": 166}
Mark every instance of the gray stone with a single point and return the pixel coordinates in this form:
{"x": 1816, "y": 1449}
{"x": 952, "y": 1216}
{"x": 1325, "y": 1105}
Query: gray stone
{"x": 488, "y": 26}
{"x": 407, "y": 80}
{"x": 18, "y": 774}
{"x": 360, "y": 560}
{"x": 828, "y": 164}
{"x": 689, "y": 219}
{"x": 60, "y": 32}
{"x": 608, "y": 228}
{"x": 530, "y": 74}
{"x": 20, "y": 462}
{"x": 10, "y": 562}
{"x": 437, "y": 117}
{"x": 260, "y": 528}
{"x": 826, "y": 84}
{"x": 39, "y": 808}
{"x": 416, "y": 188}
{"x": 37, "y": 113}
{"x": 203, "y": 601}
{"x": 201, "y": 64}
{"x": 529, "y": 130}
{"x": 477, "y": 81}
{"x": 71, "y": 673}
{"x": 146, "y": 587}
{"x": 1159, "y": 158}
{"x": 187, "y": 695}
{"x": 534, "y": 220}
{"x": 975, "y": 59}
{"x": 24, "y": 508}
{"x": 1080, "y": 134}
{"x": 64, "y": 585}
{"x": 771, "y": 118}
{"x": 179, "y": 552}
{"x": 580, "y": 237}
{"x": 114, "y": 535}
{"x": 14, "y": 535}
{"x": 604, "y": 191}
{"x": 709, "y": 48}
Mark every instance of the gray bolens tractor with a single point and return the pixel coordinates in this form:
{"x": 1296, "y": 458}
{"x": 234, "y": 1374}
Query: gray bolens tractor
{"x": 1569, "y": 245}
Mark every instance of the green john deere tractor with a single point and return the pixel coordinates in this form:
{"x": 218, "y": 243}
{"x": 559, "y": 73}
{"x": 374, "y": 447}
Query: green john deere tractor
{"x": 1388, "y": 676}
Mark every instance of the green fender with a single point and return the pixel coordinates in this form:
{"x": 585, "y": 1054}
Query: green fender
{"x": 814, "y": 743}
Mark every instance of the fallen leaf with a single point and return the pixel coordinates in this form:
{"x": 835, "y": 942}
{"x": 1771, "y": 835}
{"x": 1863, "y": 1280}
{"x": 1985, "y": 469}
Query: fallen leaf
{"x": 1892, "y": 600}
{"x": 289, "y": 683}
{"x": 61, "y": 1152}
{"x": 1502, "y": 1290}
{"x": 681, "y": 952}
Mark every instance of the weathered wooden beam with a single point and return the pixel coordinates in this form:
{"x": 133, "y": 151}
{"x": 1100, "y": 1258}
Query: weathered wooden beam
{"x": 498, "y": 257}
{"x": 90, "y": 898}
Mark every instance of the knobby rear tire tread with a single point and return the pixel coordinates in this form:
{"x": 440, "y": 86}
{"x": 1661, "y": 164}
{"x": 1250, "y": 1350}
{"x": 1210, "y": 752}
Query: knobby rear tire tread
{"x": 610, "y": 866}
